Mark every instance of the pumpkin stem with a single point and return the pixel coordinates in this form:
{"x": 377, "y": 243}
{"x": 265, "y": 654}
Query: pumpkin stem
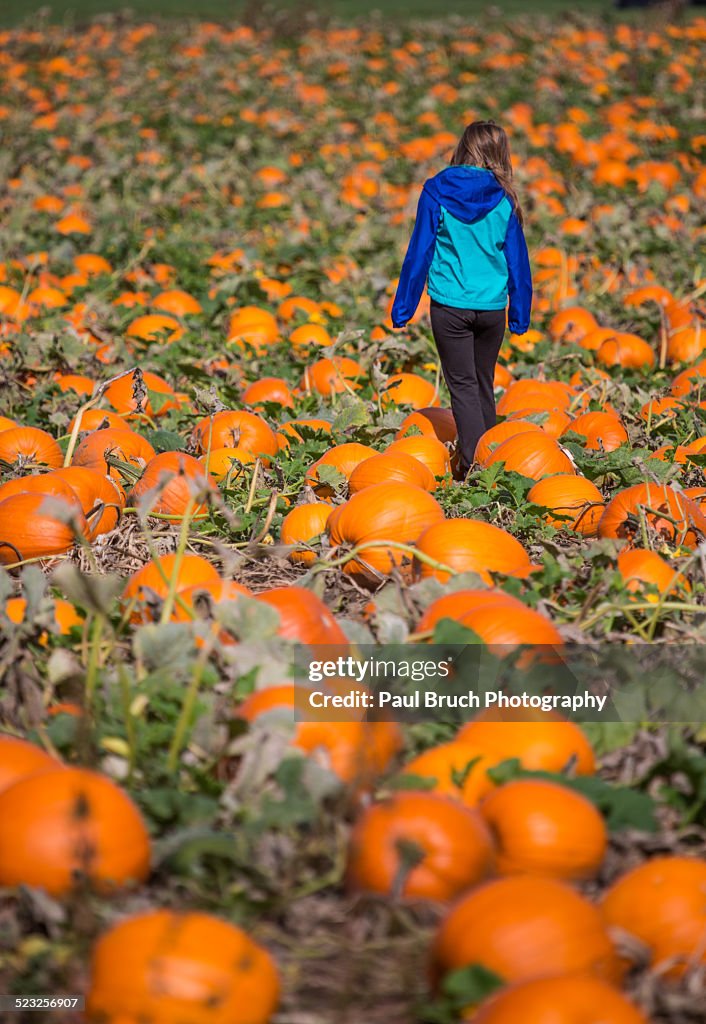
{"x": 411, "y": 855}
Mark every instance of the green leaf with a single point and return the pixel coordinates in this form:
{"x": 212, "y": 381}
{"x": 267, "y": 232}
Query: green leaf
{"x": 164, "y": 440}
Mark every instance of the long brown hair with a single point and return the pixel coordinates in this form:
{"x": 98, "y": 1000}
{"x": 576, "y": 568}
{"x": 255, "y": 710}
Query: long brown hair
{"x": 485, "y": 144}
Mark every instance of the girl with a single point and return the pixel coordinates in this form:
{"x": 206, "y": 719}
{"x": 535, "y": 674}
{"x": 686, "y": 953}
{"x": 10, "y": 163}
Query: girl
{"x": 468, "y": 241}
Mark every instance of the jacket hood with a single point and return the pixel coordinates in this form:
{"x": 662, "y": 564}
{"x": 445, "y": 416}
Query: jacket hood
{"x": 468, "y": 193}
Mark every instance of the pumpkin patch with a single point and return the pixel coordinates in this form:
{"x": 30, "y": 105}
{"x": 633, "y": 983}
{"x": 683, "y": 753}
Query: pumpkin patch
{"x": 237, "y": 558}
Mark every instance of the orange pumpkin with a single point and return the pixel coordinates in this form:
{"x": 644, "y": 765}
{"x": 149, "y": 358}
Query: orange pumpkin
{"x": 340, "y": 740}
{"x": 569, "y": 999}
{"x": 535, "y": 394}
{"x": 235, "y": 429}
{"x": 100, "y": 497}
{"x": 18, "y": 759}
{"x": 602, "y": 430}
{"x": 572, "y": 496}
{"x": 388, "y": 467}
{"x": 494, "y": 436}
{"x": 342, "y": 457}
{"x": 428, "y": 450}
{"x": 169, "y": 483}
{"x": 545, "y": 828}
{"x": 96, "y": 419}
{"x": 542, "y": 741}
{"x": 121, "y": 444}
{"x": 432, "y": 422}
{"x": 157, "y": 327}
{"x": 30, "y": 528}
{"x": 254, "y": 327}
{"x": 456, "y": 769}
{"x": 532, "y": 455}
{"x": 552, "y": 421}
{"x": 639, "y": 566}
{"x": 224, "y": 463}
{"x": 302, "y": 525}
{"x": 683, "y": 527}
{"x": 269, "y": 389}
{"x": 470, "y": 545}
{"x": 409, "y": 389}
{"x": 382, "y": 512}
{"x": 447, "y": 846}
{"x": 661, "y": 904}
{"x": 64, "y": 823}
{"x": 165, "y": 966}
{"x": 627, "y": 350}
{"x": 26, "y": 447}
{"x": 303, "y": 616}
{"x": 151, "y": 584}
{"x": 332, "y": 376}
{"x": 178, "y": 302}
{"x": 120, "y": 394}
{"x": 523, "y": 928}
{"x": 571, "y": 324}
{"x": 51, "y": 485}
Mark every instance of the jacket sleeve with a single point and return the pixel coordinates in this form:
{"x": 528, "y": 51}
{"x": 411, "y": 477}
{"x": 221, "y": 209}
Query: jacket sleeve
{"x": 416, "y": 263}
{"x": 519, "y": 277}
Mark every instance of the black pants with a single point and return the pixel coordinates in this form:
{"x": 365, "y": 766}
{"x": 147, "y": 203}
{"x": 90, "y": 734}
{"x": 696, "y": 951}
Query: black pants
{"x": 468, "y": 342}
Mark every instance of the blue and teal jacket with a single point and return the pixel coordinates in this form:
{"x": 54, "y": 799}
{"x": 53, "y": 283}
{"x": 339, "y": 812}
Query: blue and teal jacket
{"x": 469, "y": 248}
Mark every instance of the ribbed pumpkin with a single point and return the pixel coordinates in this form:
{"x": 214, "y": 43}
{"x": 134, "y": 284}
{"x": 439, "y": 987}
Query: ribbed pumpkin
{"x": 432, "y": 422}
{"x": 155, "y": 327}
{"x": 603, "y": 431}
{"x": 460, "y": 602}
{"x": 302, "y": 525}
{"x": 571, "y": 324}
{"x": 690, "y": 379}
{"x": 450, "y": 848}
{"x": 428, "y": 450}
{"x": 383, "y": 512}
{"x": 409, "y": 389}
{"x": 496, "y": 435}
{"x": 572, "y": 496}
{"x": 30, "y": 529}
{"x": 25, "y": 447}
{"x": 192, "y": 599}
{"x": 503, "y": 632}
{"x": 535, "y": 394}
{"x": 165, "y": 966}
{"x": 151, "y": 583}
{"x": 470, "y": 545}
{"x": 533, "y": 455}
{"x": 332, "y": 376}
{"x": 545, "y": 828}
{"x": 388, "y": 467}
{"x": 172, "y": 480}
{"x": 344, "y": 458}
{"x": 621, "y": 518}
{"x": 570, "y": 999}
{"x": 120, "y": 395}
{"x": 268, "y": 389}
{"x": 65, "y": 822}
{"x": 639, "y": 566}
{"x": 542, "y": 741}
{"x": 101, "y": 499}
{"x": 18, "y": 759}
{"x": 235, "y": 429}
{"x": 178, "y": 302}
{"x": 627, "y": 350}
{"x": 254, "y": 327}
{"x": 303, "y": 616}
{"x": 523, "y": 928}
{"x": 289, "y": 429}
{"x": 49, "y": 484}
{"x": 120, "y": 443}
{"x": 661, "y": 903}
{"x": 97, "y": 419}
